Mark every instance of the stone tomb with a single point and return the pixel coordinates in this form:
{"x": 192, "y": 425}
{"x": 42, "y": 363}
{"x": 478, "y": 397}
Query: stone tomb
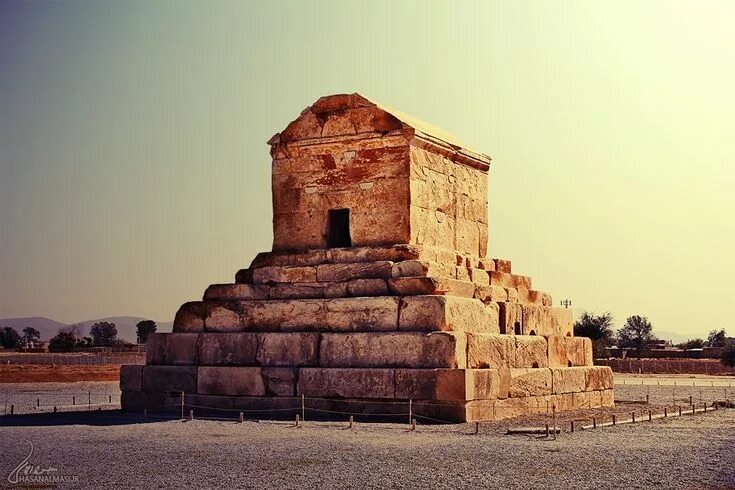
{"x": 378, "y": 291}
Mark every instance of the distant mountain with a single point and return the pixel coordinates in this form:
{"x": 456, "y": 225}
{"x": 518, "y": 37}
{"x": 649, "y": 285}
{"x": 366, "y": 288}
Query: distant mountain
{"x": 126, "y": 325}
{"x": 676, "y": 338}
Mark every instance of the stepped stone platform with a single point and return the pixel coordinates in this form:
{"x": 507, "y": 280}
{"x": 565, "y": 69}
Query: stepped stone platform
{"x": 378, "y": 291}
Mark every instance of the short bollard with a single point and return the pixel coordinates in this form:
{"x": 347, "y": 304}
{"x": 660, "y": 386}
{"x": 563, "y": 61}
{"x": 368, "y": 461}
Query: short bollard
{"x": 547, "y": 430}
{"x": 12, "y": 409}
{"x": 690, "y": 399}
{"x": 633, "y": 420}
{"x": 242, "y": 417}
{"x": 477, "y": 427}
{"x": 352, "y": 421}
{"x": 666, "y": 412}
{"x": 297, "y": 420}
{"x": 572, "y": 426}
{"x": 647, "y": 396}
{"x": 650, "y": 416}
{"x": 110, "y": 399}
{"x": 54, "y": 408}
{"x": 615, "y": 420}
{"x": 594, "y": 422}
{"x": 413, "y": 424}
{"x": 38, "y": 402}
{"x": 679, "y": 410}
{"x": 73, "y": 400}
{"x": 191, "y": 414}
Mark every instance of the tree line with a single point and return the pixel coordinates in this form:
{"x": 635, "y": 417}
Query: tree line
{"x": 637, "y": 335}
{"x": 101, "y": 334}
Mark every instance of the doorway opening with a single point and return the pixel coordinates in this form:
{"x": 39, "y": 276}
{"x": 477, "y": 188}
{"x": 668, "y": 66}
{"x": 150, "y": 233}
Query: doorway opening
{"x": 338, "y": 231}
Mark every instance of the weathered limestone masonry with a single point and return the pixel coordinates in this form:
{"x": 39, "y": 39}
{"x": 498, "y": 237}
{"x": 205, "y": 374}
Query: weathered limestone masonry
{"x": 378, "y": 291}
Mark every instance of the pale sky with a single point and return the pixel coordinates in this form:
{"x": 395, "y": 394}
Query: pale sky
{"x": 134, "y": 169}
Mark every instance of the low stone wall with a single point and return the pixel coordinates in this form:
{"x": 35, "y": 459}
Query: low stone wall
{"x": 667, "y": 366}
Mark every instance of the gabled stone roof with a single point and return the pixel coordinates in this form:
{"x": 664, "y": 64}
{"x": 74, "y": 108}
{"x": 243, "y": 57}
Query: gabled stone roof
{"x": 326, "y": 118}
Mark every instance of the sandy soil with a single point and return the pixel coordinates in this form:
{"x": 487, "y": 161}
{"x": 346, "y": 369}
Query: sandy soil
{"x": 688, "y": 452}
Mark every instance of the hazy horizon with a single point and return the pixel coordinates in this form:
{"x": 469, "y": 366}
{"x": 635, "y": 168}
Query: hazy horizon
{"x": 134, "y": 169}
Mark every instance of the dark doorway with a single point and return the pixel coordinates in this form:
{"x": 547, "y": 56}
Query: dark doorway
{"x": 338, "y": 233}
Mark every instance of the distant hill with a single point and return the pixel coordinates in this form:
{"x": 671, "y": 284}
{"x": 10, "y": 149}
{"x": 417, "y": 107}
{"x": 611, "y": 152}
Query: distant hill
{"x": 126, "y": 325}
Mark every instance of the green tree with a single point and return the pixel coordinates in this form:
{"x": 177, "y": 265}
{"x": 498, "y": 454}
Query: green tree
{"x": 728, "y": 354}
{"x": 64, "y": 341}
{"x": 637, "y": 334}
{"x": 103, "y": 333}
{"x": 145, "y": 328}
{"x": 31, "y": 335}
{"x": 717, "y": 338}
{"x": 597, "y": 328}
{"x": 9, "y": 337}
{"x": 691, "y": 344}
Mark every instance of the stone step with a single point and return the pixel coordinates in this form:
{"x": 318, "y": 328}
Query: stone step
{"x": 508, "y": 280}
{"x": 382, "y": 313}
{"x": 489, "y": 393}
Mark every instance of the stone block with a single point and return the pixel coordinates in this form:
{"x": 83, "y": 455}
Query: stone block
{"x": 598, "y": 378}
{"x": 497, "y": 294}
{"x": 284, "y": 315}
{"x": 479, "y": 277}
{"x": 559, "y": 352}
{"x": 372, "y": 314}
{"x": 509, "y": 280}
{"x": 518, "y": 407}
{"x": 244, "y": 276}
{"x": 486, "y": 350}
{"x": 178, "y": 349}
{"x": 447, "y": 384}
{"x": 159, "y": 379}
{"x": 531, "y": 352}
{"x": 530, "y": 382}
{"x": 131, "y": 377}
{"x": 291, "y": 258}
{"x": 530, "y": 296}
{"x": 447, "y": 313}
{"x": 486, "y": 264}
{"x": 309, "y": 290}
{"x": 502, "y": 266}
{"x": 346, "y": 383}
{"x": 393, "y": 253}
{"x": 335, "y": 289}
{"x": 230, "y": 380}
{"x": 288, "y": 349}
{"x": 224, "y": 316}
{"x": 569, "y": 380}
{"x": 510, "y": 318}
{"x": 544, "y": 320}
{"x": 416, "y": 286}
{"x": 607, "y": 398}
{"x": 228, "y": 349}
{"x": 359, "y": 270}
{"x": 229, "y": 292}
{"x": 367, "y": 287}
{"x": 462, "y": 274}
{"x": 512, "y": 295}
{"x": 287, "y": 274}
{"x": 279, "y": 381}
{"x": 578, "y": 350}
{"x": 411, "y": 268}
{"x": 393, "y": 349}
{"x": 190, "y": 317}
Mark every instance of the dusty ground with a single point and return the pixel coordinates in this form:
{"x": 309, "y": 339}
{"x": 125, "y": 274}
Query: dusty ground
{"x": 111, "y": 450}
{"x": 46, "y": 373}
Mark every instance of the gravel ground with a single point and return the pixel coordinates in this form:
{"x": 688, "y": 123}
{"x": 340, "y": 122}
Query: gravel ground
{"x": 110, "y": 450}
